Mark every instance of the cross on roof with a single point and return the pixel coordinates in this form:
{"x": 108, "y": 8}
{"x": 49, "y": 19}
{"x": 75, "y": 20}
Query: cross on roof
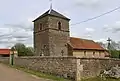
{"x": 109, "y": 40}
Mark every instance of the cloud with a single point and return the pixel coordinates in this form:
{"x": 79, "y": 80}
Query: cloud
{"x": 103, "y": 40}
{"x": 90, "y": 30}
{"x": 74, "y": 34}
{"x": 11, "y": 34}
{"x": 88, "y": 33}
{"x": 27, "y": 27}
{"x": 88, "y": 3}
{"x": 114, "y": 28}
{"x": 20, "y": 34}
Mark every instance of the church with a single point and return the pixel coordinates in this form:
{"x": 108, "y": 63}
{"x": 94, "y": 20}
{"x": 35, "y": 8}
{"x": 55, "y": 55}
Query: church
{"x": 52, "y": 38}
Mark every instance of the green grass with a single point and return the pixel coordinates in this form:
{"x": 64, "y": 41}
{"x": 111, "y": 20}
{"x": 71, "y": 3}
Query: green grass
{"x": 42, "y": 75}
{"x": 99, "y": 79}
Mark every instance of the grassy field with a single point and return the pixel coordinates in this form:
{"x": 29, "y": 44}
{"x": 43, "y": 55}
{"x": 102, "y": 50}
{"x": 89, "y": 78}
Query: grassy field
{"x": 99, "y": 79}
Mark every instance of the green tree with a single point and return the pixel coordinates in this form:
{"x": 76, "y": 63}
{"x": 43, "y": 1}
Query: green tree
{"x": 29, "y": 51}
{"x": 115, "y": 53}
{"x": 23, "y": 50}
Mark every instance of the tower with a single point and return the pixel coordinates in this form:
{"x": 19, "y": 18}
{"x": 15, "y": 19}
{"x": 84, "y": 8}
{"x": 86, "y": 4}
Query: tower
{"x": 51, "y": 34}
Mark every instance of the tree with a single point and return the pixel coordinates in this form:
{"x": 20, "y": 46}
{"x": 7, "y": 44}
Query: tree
{"x": 23, "y": 50}
{"x": 115, "y": 53}
{"x": 113, "y": 48}
{"x": 29, "y": 51}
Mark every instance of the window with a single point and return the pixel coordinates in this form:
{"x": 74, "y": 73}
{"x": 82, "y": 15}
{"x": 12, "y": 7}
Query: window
{"x": 59, "y": 25}
{"x": 40, "y": 26}
{"x": 45, "y": 46}
{"x": 62, "y": 52}
{"x": 93, "y": 54}
{"x": 99, "y": 53}
{"x": 85, "y": 53}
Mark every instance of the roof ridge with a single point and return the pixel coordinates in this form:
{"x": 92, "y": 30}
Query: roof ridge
{"x": 52, "y": 12}
{"x": 82, "y": 38}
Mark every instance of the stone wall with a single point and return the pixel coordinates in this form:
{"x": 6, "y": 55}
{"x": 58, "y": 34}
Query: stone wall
{"x": 59, "y": 66}
{"x": 4, "y": 60}
{"x": 58, "y": 39}
{"x": 67, "y": 67}
{"x": 92, "y": 67}
{"x": 50, "y": 40}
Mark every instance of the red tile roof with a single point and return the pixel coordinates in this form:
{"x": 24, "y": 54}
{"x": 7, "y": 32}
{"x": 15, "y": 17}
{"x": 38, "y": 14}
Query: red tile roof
{"x": 4, "y": 51}
{"x": 78, "y": 43}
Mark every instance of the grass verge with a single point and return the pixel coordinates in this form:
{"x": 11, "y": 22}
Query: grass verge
{"x": 41, "y": 75}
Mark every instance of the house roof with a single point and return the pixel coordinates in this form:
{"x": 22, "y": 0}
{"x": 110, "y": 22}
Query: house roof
{"x": 78, "y": 43}
{"x": 52, "y": 12}
{"x": 4, "y": 51}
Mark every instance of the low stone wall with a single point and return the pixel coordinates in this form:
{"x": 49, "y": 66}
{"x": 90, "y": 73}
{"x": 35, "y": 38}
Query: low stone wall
{"x": 67, "y": 67}
{"x": 60, "y": 66}
{"x": 4, "y": 60}
{"x": 92, "y": 67}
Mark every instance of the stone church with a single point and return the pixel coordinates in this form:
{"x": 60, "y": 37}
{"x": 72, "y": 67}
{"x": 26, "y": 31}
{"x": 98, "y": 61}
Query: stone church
{"x": 52, "y": 38}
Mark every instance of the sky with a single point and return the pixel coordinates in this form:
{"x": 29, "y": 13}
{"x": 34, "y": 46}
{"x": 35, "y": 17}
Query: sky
{"x": 16, "y": 18}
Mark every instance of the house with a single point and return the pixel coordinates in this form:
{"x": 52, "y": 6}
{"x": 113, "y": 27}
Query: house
{"x": 79, "y": 47}
{"x": 52, "y": 38}
{"x": 4, "y": 52}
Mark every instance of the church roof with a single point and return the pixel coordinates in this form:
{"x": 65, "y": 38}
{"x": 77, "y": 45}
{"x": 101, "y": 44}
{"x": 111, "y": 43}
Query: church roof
{"x": 52, "y": 12}
{"x": 84, "y": 44}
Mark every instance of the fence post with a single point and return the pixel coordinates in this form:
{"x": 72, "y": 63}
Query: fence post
{"x": 12, "y": 58}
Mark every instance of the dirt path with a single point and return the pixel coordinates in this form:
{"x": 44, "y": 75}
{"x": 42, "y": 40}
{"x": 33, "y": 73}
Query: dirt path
{"x": 11, "y": 74}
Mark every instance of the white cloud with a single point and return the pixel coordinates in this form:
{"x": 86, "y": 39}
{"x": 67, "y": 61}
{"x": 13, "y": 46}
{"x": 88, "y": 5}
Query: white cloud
{"x": 87, "y": 36}
{"x": 101, "y": 40}
{"x": 73, "y": 34}
{"x": 114, "y": 28}
{"x": 88, "y": 3}
{"x": 90, "y": 30}
{"x": 11, "y": 34}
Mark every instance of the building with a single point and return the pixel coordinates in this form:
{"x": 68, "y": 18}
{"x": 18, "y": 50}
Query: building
{"x": 51, "y": 38}
{"x": 86, "y": 48}
{"x": 4, "y": 52}
{"x": 51, "y": 34}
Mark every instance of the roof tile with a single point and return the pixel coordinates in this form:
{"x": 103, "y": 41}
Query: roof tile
{"x": 78, "y": 43}
{"x": 4, "y": 51}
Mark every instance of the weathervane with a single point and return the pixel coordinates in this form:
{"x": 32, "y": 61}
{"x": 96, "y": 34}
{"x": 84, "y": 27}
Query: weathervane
{"x": 50, "y": 6}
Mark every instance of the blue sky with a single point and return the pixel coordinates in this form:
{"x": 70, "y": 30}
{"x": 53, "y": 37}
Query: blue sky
{"x": 16, "y": 19}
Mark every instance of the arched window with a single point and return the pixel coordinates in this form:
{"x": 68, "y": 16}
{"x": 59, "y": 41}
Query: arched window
{"x": 85, "y": 53}
{"x": 93, "y": 54}
{"x": 59, "y": 25}
{"x": 40, "y": 26}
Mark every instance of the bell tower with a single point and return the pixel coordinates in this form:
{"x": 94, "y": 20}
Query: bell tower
{"x": 51, "y": 34}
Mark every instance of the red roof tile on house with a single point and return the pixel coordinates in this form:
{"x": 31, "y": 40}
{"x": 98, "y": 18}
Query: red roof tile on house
{"x": 4, "y": 51}
{"x": 78, "y": 43}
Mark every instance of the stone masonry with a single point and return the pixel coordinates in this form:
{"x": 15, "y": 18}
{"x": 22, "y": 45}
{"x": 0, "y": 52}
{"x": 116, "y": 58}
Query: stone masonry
{"x": 68, "y": 67}
{"x": 59, "y": 66}
{"x": 50, "y": 40}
